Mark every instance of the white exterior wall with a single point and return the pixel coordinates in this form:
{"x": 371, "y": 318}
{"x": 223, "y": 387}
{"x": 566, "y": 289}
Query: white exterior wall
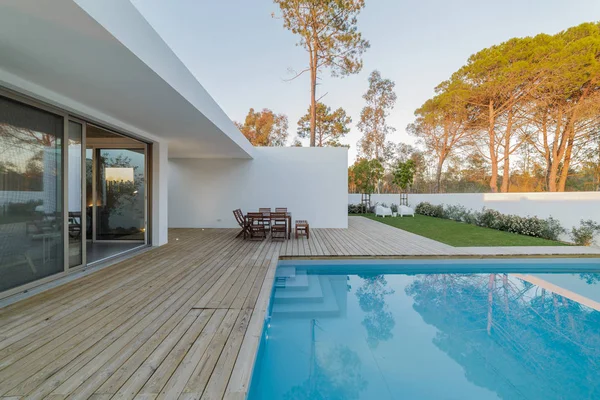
{"x": 568, "y": 207}
{"x": 159, "y": 160}
{"x": 311, "y": 182}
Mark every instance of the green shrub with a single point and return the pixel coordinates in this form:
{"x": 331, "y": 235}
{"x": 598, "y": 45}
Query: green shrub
{"x": 394, "y": 208}
{"x": 471, "y": 217}
{"x": 422, "y": 207}
{"x": 584, "y": 235}
{"x": 553, "y": 229}
{"x": 430, "y": 210}
{"x": 548, "y": 228}
{"x": 456, "y": 213}
{"x": 489, "y": 218}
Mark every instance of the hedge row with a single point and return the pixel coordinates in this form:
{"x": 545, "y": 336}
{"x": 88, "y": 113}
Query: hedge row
{"x": 548, "y": 228}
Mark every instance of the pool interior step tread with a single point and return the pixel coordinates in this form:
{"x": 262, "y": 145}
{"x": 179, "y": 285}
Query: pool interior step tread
{"x": 309, "y": 290}
{"x": 327, "y": 307}
{"x": 299, "y": 281}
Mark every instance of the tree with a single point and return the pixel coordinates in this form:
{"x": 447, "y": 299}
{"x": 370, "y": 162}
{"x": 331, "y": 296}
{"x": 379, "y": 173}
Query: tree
{"x": 404, "y": 174}
{"x": 366, "y": 174}
{"x": 330, "y": 126}
{"x": 329, "y": 34}
{"x": 442, "y": 125}
{"x": 401, "y": 153}
{"x": 265, "y": 128}
{"x": 296, "y": 142}
{"x": 531, "y": 102}
{"x": 567, "y": 103}
{"x": 499, "y": 79}
{"x": 380, "y": 99}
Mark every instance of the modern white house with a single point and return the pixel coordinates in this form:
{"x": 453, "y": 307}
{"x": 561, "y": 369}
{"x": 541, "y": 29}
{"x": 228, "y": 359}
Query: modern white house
{"x": 107, "y": 140}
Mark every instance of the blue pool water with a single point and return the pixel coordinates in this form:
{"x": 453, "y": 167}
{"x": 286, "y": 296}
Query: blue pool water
{"x": 432, "y": 329}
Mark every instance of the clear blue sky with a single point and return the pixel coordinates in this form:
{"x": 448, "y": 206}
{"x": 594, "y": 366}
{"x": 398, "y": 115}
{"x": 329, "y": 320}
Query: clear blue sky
{"x": 242, "y": 55}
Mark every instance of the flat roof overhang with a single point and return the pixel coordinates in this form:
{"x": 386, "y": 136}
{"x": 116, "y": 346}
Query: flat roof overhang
{"x": 102, "y": 58}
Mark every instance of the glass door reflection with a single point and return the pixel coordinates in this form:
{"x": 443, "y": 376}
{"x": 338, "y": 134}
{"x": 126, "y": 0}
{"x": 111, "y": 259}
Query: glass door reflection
{"x": 115, "y": 194}
{"x": 120, "y": 189}
{"x": 31, "y": 194}
{"x": 75, "y": 220}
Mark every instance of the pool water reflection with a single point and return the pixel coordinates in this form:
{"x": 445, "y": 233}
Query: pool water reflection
{"x": 371, "y": 334}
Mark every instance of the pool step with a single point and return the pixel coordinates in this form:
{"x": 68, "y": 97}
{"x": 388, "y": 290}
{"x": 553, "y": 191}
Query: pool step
{"x": 306, "y": 289}
{"x": 297, "y": 282}
{"x": 285, "y": 272}
{"x": 303, "y": 308}
{"x": 291, "y": 279}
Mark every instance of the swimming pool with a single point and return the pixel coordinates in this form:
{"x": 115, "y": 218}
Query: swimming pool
{"x": 432, "y": 329}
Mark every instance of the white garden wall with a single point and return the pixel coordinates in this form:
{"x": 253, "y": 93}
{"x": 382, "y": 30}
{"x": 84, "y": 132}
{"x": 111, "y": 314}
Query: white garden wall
{"x": 311, "y": 182}
{"x": 568, "y": 207}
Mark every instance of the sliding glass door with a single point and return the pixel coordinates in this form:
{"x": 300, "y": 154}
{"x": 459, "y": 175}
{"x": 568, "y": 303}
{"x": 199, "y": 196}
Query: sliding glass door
{"x": 115, "y": 192}
{"x": 71, "y": 193}
{"x": 31, "y": 194}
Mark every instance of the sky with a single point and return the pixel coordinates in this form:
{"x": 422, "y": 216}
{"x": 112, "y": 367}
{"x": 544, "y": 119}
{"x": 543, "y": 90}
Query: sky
{"x": 244, "y": 57}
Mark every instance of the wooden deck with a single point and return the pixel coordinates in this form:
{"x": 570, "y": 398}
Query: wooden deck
{"x": 179, "y": 321}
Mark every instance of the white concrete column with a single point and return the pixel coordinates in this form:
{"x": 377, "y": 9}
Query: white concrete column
{"x": 160, "y": 197}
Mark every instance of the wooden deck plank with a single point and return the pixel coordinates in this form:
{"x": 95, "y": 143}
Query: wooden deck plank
{"x": 104, "y": 299}
{"x": 81, "y": 354}
{"x": 111, "y": 278}
{"x": 185, "y": 348}
{"x": 180, "y": 321}
{"x": 148, "y": 296}
{"x": 175, "y": 346}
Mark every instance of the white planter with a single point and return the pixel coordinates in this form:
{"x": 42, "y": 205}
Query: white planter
{"x": 394, "y": 214}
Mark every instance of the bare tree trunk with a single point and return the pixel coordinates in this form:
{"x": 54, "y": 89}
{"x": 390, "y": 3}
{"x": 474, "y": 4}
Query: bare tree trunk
{"x": 547, "y": 154}
{"x": 438, "y": 175}
{"x": 506, "y": 167}
{"x": 564, "y": 173}
{"x": 494, "y": 176}
{"x": 552, "y": 187}
{"x": 313, "y": 104}
{"x": 492, "y": 146}
{"x": 553, "y": 156}
{"x": 505, "y": 175}
{"x": 559, "y": 149}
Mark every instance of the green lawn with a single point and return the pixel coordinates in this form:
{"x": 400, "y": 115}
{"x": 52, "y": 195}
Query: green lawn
{"x": 458, "y": 234}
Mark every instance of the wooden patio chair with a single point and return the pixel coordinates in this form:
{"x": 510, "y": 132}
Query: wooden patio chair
{"x": 266, "y": 210}
{"x": 302, "y": 228}
{"x": 279, "y": 227}
{"x": 239, "y": 217}
{"x": 256, "y": 225}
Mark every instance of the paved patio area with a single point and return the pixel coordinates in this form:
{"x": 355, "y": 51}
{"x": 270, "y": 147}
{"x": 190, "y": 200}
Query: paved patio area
{"x": 180, "y": 321}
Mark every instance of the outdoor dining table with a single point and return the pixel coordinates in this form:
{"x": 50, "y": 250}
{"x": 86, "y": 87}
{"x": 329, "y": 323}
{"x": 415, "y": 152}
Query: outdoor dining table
{"x": 288, "y": 216}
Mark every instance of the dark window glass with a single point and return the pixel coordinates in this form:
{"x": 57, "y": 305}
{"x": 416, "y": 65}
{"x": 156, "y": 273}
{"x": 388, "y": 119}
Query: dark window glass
{"x": 31, "y": 188}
